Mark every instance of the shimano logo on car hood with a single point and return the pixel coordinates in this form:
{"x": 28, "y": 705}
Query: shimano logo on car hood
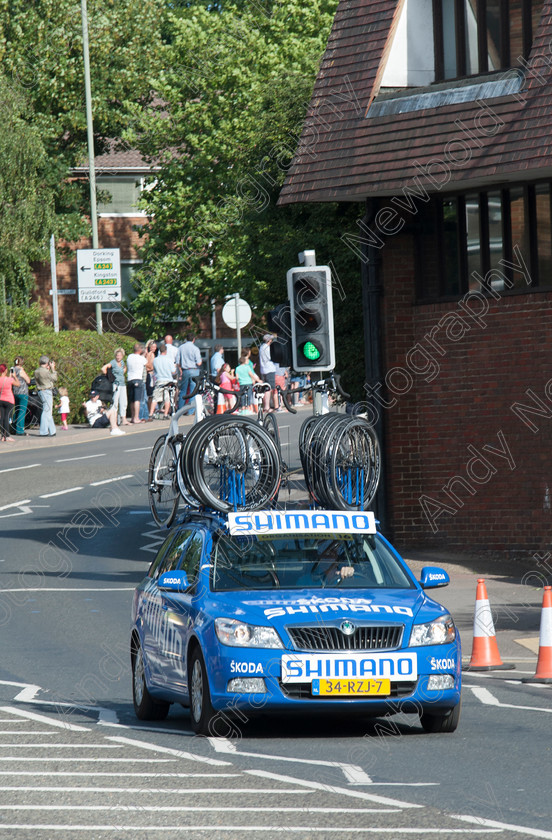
{"x": 307, "y": 606}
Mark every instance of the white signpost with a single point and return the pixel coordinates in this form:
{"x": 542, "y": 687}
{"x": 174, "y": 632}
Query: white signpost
{"x": 236, "y": 314}
{"x": 99, "y": 275}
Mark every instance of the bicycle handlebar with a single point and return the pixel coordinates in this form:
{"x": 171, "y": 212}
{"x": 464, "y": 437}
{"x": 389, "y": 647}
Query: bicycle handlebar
{"x": 202, "y": 384}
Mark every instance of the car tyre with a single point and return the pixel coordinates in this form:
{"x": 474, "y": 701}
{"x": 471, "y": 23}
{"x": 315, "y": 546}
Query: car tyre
{"x": 441, "y": 723}
{"x": 145, "y": 707}
{"x": 201, "y": 709}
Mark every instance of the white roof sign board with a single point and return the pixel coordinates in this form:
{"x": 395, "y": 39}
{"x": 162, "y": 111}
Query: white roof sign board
{"x": 301, "y": 522}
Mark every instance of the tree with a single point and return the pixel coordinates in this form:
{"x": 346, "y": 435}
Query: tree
{"x": 232, "y": 95}
{"x": 26, "y": 205}
{"x": 41, "y": 54}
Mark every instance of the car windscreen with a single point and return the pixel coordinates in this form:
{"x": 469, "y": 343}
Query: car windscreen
{"x": 360, "y": 561}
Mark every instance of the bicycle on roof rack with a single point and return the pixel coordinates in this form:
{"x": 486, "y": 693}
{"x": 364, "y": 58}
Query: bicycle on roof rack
{"x": 165, "y": 486}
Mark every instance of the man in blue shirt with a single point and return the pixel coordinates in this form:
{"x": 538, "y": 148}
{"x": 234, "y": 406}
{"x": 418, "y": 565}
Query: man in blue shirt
{"x": 189, "y": 363}
{"x": 217, "y": 359}
{"x": 164, "y": 370}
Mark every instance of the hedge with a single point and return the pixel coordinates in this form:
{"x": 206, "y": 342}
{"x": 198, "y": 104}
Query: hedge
{"x": 79, "y": 356}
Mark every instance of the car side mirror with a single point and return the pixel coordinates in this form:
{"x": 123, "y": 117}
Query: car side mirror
{"x": 173, "y": 581}
{"x": 433, "y": 576}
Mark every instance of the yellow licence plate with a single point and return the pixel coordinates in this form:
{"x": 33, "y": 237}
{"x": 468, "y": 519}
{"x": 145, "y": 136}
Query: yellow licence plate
{"x": 350, "y": 688}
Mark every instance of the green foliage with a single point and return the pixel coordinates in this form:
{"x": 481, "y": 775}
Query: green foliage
{"x": 26, "y": 207}
{"x": 24, "y": 321}
{"x": 79, "y": 357}
{"x": 41, "y": 54}
{"x": 236, "y": 82}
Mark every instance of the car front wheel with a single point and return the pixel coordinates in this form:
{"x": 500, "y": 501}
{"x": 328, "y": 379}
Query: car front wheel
{"x": 145, "y": 707}
{"x": 441, "y": 723}
{"x": 201, "y": 711}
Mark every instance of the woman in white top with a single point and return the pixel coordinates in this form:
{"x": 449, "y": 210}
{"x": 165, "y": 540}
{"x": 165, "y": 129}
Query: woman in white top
{"x": 136, "y": 363}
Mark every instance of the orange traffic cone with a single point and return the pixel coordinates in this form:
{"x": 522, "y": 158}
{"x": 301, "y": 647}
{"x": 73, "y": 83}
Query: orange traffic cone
{"x": 485, "y": 655}
{"x": 544, "y": 661}
{"x": 221, "y": 407}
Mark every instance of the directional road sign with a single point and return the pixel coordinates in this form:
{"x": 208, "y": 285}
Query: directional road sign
{"x": 99, "y": 275}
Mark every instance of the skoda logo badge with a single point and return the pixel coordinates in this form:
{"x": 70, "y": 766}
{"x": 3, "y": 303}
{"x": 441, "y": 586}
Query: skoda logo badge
{"x": 347, "y": 627}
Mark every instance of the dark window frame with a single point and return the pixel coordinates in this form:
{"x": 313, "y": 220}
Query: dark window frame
{"x": 531, "y": 227}
{"x": 460, "y": 32}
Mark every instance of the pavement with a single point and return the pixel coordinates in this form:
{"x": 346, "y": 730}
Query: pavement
{"x": 514, "y": 585}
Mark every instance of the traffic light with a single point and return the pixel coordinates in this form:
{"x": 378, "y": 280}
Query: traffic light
{"x": 312, "y": 327}
{"x": 279, "y": 321}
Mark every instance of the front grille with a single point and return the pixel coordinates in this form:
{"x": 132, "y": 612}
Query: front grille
{"x": 372, "y": 637}
{"x": 303, "y": 691}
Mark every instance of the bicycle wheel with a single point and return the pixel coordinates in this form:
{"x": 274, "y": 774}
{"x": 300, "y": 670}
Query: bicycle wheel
{"x": 271, "y": 425}
{"x": 354, "y": 466}
{"x": 236, "y": 466}
{"x": 163, "y": 493}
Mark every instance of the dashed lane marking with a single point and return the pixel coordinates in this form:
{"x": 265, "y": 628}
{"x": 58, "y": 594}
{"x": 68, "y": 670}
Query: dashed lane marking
{"x": 59, "y": 492}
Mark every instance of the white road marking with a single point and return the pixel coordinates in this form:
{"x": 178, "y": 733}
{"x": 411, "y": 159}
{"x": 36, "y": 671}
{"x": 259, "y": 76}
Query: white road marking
{"x": 85, "y": 759}
{"x": 43, "y": 719}
{"x": 168, "y": 751}
{"x": 355, "y": 775}
{"x": 13, "y": 469}
{"x": 163, "y": 790}
{"x": 60, "y": 492}
{"x": 110, "y": 480}
{"x": 140, "y": 449}
{"x": 485, "y": 696}
{"x": 185, "y": 808}
{"x": 521, "y": 829}
{"x": 59, "y": 746}
{"x": 26, "y": 732}
{"x": 355, "y": 794}
{"x": 140, "y": 728}
{"x": 80, "y": 458}
{"x": 298, "y": 829}
{"x": 128, "y": 774}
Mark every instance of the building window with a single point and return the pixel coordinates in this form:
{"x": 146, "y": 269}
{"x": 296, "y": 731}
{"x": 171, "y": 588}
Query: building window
{"x": 479, "y": 36}
{"x": 495, "y": 241}
{"x": 118, "y": 194}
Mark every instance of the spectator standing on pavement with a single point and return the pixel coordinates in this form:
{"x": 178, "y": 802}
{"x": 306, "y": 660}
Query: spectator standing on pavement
{"x": 98, "y": 417}
{"x": 164, "y": 370}
{"x": 172, "y": 351}
{"x": 151, "y": 352}
{"x": 246, "y": 377}
{"x": 268, "y": 372}
{"x": 217, "y": 360}
{"x": 46, "y": 377}
{"x": 21, "y": 392}
{"x": 63, "y": 407}
{"x": 189, "y": 364}
{"x": 7, "y": 400}
{"x": 136, "y": 363}
{"x": 118, "y": 369}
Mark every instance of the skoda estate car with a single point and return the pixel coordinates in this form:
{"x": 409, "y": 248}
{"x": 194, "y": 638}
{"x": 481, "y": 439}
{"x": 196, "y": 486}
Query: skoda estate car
{"x": 281, "y": 611}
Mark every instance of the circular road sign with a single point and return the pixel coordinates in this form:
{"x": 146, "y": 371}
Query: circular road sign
{"x": 229, "y": 313}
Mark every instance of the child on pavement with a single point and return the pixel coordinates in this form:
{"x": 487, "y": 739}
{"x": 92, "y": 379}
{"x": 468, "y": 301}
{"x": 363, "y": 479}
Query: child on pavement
{"x": 63, "y": 407}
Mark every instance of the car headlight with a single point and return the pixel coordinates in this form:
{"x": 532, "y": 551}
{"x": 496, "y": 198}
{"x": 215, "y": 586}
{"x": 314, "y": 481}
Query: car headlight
{"x": 438, "y": 632}
{"x": 238, "y": 634}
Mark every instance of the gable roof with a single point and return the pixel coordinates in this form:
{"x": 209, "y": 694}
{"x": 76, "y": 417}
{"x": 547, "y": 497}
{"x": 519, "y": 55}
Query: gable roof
{"x": 360, "y": 142}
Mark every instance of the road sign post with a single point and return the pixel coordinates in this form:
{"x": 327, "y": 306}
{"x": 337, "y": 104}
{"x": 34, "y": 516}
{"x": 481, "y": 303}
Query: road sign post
{"x": 236, "y": 314}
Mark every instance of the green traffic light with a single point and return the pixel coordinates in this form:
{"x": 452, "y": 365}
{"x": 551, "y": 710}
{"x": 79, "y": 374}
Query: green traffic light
{"x": 311, "y": 351}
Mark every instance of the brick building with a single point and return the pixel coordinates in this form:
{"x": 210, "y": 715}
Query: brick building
{"x": 435, "y": 115}
{"x": 120, "y": 178}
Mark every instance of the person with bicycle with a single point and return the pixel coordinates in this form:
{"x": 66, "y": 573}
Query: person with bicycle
{"x": 247, "y": 377}
{"x": 164, "y": 371}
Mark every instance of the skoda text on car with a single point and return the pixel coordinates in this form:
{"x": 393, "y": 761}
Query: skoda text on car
{"x": 279, "y": 611}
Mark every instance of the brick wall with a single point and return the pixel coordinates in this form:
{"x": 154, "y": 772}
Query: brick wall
{"x": 468, "y": 466}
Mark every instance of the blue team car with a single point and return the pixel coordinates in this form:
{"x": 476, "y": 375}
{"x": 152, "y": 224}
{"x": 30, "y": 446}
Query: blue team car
{"x": 278, "y": 611}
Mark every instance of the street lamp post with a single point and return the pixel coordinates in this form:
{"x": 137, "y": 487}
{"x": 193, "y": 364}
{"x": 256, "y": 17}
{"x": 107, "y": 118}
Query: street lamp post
{"x": 90, "y": 138}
